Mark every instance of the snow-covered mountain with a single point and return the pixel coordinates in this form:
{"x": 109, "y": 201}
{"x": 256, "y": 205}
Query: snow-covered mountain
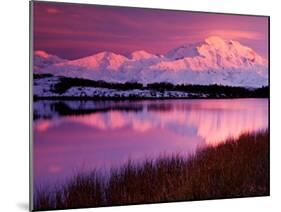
{"x": 186, "y": 50}
{"x": 142, "y": 55}
{"x": 213, "y": 61}
{"x": 42, "y": 60}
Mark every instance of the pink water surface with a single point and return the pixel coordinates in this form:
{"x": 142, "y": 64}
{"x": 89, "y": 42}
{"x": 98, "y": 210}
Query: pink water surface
{"x": 65, "y": 145}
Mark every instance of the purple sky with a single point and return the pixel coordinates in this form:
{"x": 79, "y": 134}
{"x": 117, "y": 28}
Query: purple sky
{"x": 73, "y": 30}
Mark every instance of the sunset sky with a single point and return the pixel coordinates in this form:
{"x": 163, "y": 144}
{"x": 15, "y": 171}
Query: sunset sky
{"x": 73, "y": 30}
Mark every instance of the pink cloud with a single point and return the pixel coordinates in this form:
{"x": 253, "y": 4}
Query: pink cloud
{"x": 51, "y": 10}
{"x": 236, "y": 34}
{"x": 85, "y": 29}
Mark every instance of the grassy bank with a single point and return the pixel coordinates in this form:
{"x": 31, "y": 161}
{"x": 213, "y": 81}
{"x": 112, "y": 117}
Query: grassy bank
{"x": 236, "y": 168}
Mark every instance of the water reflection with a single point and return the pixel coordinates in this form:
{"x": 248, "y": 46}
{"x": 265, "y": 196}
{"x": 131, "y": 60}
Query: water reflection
{"x": 102, "y": 134}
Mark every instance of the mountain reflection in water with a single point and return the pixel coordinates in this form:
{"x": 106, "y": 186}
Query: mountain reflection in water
{"x": 69, "y": 135}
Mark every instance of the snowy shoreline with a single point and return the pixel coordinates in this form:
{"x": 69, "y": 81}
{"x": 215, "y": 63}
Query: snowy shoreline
{"x": 52, "y": 87}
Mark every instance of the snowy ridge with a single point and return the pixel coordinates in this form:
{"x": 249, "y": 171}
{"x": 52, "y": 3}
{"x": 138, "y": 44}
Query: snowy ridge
{"x": 42, "y": 60}
{"x": 213, "y": 61}
{"x": 43, "y": 87}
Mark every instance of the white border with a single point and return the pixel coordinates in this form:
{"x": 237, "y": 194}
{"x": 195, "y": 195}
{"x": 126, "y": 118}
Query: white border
{"x": 14, "y": 88}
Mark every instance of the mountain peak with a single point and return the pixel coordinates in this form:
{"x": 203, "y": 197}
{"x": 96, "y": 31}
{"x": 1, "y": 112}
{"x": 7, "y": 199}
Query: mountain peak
{"x": 41, "y": 53}
{"x": 42, "y": 59}
{"x": 186, "y": 50}
{"x": 215, "y": 40}
{"x": 44, "y": 55}
{"x": 101, "y": 60}
{"x": 105, "y": 54}
{"x": 141, "y": 54}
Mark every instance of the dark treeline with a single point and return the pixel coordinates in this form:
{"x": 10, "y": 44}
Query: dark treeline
{"x": 212, "y": 91}
{"x": 66, "y": 83}
{"x": 40, "y": 76}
